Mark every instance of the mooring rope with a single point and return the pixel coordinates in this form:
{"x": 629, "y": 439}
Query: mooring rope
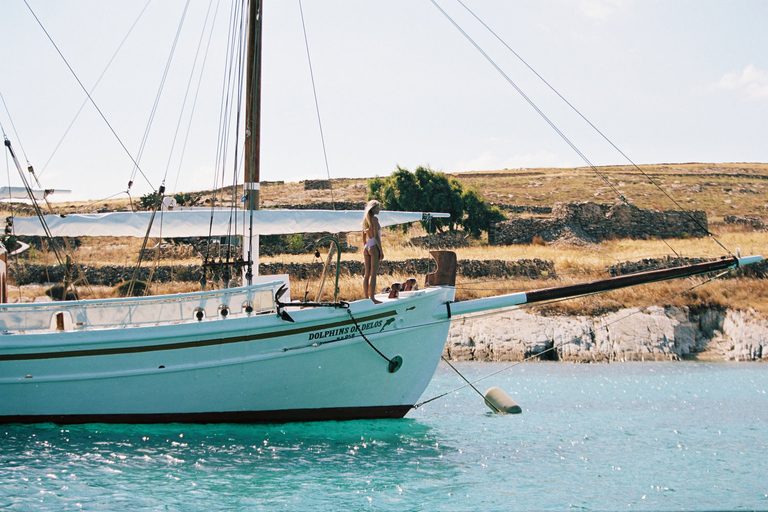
{"x": 393, "y": 365}
{"x": 554, "y": 346}
{"x": 468, "y": 384}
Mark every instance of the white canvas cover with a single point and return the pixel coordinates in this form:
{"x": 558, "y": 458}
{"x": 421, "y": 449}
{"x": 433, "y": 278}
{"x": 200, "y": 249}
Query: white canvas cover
{"x": 21, "y": 193}
{"x": 199, "y": 223}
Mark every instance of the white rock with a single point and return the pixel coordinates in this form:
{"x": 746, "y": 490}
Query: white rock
{"x": 654, "y": 333}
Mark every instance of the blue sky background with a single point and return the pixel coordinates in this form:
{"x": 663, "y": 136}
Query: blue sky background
{"x": 397, "y": 84}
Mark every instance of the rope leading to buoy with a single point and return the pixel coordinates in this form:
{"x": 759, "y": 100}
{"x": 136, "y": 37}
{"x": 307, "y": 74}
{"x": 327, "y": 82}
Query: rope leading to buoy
{"x": 468, "y": 384}
{"x": 550, "y": 349}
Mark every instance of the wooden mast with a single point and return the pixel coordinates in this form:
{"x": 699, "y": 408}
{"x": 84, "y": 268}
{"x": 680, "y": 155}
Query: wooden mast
{"x": 252, "y": 136}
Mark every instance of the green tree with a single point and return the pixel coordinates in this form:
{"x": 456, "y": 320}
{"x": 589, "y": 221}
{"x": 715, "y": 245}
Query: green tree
{"x": 431, "y": 191}
{"x": 187, "y": 199}
{"x": 439, "y": 194}
{"x": 479, "y": 216}
{"x": 148, "y": 201}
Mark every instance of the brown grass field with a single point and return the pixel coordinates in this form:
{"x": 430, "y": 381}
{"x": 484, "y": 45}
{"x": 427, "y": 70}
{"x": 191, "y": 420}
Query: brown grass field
{"x": 720, "y": 190}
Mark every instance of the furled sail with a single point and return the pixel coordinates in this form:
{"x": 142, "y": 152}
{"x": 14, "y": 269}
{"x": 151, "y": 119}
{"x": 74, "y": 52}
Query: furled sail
{"x": 201, "y": 222}
{"x": 21, "y": 193}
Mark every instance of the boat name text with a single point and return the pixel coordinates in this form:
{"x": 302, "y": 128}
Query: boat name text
{"x": 344, "y": 332}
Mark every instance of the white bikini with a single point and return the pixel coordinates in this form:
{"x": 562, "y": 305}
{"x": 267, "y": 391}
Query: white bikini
{"x": 371, "y": 242}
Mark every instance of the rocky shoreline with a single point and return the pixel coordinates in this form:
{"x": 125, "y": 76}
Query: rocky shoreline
{"x": 653, "y": 334}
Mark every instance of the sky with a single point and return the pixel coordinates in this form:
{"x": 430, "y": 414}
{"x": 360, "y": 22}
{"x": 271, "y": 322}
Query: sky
{"x": 397, "y": 85}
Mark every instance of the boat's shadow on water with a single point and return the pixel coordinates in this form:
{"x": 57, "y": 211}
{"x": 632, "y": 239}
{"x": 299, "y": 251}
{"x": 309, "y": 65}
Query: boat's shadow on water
{"x": 313, "y": 464}
{"x": 218, "y": 446}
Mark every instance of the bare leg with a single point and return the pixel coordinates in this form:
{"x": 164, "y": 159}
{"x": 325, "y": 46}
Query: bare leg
{"x": 375, "y": 260}
{"x": 367, "y": 276}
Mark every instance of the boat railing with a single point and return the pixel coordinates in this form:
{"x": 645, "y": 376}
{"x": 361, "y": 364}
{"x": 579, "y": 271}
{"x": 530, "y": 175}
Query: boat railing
{"x": 163, "y": 309}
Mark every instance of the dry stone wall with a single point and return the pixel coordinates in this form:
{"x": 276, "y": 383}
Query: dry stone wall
{"x": 757, "y": 270}
{"x": 317, "y": 184}
{"x": 323, "y": 205}
{"x": 594, "y": 222}
{"x": 24, "y": 274}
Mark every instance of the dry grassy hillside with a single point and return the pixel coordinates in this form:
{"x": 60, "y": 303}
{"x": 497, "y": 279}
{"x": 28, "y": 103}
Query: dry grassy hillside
{"x": 720, "y": 190}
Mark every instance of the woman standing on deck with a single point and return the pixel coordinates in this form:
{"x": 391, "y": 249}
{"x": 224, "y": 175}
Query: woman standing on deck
{"x": 373, "y": 252}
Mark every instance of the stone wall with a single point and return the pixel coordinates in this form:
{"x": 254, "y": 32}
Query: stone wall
{"x": 653, "y": 334}
{"x": 270, "y": 245}
{"x": 516, "y": 208}
{"x": 753, "y": 271}
{"x": 416, "y": 267}
{"x": 317, "y": 184}
{"x": 110, "y": 275}
{"x": 750, "y": 222}
{"x": 324, "y": 205}
{"x": 24, "y": 274}
{"x": 593, "y": 222}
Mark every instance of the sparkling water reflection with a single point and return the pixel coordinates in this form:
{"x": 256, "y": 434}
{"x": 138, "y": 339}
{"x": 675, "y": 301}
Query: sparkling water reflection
{"x": 644, "y": 435}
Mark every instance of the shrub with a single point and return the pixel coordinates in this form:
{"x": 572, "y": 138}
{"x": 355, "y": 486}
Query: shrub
{"x": 479, "y": 216}
{"x": 148, "y": 201}
{"x": 187, "y": 199}
{"x": 425, "y": 190}
{"x": 9, "y": 242}
{"x": 296, "y": 243}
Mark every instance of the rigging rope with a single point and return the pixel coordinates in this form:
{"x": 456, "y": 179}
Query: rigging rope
{"x": 8, "y": 174}
{"x": 561, "y": 134}
{"x": 153, "y": 111}
{"x": 103, "y": 117}
{"x": 68, "y": 249}
{"x": 317, "y": 104}
{"x": 85, "y": 102}
{"x": 199, "y": 83}
{"x": 186, "y": 93}
{"x": 5, "y": 136}
{"x": 231, "y": 105}
{"x": 239, "y": 161}
{"x": 157, "y": 204}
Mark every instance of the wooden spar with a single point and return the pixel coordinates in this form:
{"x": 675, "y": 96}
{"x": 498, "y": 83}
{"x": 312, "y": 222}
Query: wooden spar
{"x": 603, "y": 285}
{"x": 614, "y": 283}
{"x": 252, "y": 134}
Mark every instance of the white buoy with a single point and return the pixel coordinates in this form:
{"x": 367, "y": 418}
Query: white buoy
{"x": 498, "y": 401}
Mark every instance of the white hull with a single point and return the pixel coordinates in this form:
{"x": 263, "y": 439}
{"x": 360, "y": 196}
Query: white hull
{"x": 257, "y": 368}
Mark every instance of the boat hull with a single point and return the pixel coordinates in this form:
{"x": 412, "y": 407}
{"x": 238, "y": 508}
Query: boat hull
{"x": 259, "y": 368}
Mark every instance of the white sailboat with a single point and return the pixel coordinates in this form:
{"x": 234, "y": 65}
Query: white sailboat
{"x": 245, "y": 354}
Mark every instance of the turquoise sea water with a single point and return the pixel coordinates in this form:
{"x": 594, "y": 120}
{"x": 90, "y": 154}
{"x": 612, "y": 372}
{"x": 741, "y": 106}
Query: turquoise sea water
{"x": 647, "y": 436}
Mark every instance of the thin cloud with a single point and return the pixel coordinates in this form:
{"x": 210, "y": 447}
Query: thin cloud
{"x": 751, "y": 81}
{"x": 599, "y": 9}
